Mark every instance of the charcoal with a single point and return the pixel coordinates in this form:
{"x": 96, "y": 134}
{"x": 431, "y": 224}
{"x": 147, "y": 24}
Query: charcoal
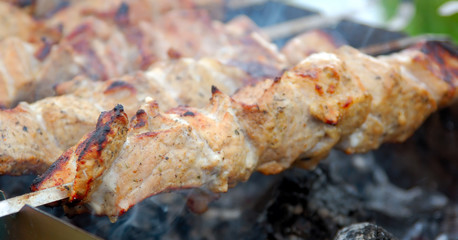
{"x": 364, "y": 231}
{"x": 310, "y": 205}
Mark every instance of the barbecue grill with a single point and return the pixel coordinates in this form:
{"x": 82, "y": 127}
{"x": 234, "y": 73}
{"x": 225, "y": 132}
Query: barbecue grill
{"x": 409, "y": 189}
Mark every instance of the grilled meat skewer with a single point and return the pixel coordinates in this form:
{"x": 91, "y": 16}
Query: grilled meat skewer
{"x": 346, "y": 100}
{"x": 34, "y": 135}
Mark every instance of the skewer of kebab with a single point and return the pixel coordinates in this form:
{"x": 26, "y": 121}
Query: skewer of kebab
{"x": 346, "y": 100}
{"x": 100, "y": 48}
{"x": 60, "y": 124}
{"x": 34, "y": 135}
{"x": 24, "y": 152}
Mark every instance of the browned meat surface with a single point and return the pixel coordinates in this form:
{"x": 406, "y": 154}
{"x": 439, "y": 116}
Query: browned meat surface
{"x": 54, "y": 124}
{"x": 99, "y": 150}
{"x": 94, "y": 150}
{"x": 326, "y": 100}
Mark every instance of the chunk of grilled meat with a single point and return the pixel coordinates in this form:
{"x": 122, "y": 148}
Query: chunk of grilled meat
{"x": 346, "y": 99}
{"x": 95, "y": 151}
{"x": 34, "y": 135}
{"x": 433, "y": 65}
{"x": 18, "y": 69}
{"x": 99, "y": 151}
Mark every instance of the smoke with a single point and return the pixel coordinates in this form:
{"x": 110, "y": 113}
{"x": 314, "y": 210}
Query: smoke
{"x": 151, "y": 219}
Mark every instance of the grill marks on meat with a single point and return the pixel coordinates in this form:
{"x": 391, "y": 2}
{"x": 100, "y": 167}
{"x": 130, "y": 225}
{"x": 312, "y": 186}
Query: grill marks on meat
{"x": 63, "y": 120}
{"x": 99, "y": 151}
{"x": 171, "y": 152}
{"x": 95, "y": 151}
{"x": 296, "y": 119}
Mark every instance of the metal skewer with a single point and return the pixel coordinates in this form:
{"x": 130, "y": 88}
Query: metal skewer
{"x": 34, "y": 199}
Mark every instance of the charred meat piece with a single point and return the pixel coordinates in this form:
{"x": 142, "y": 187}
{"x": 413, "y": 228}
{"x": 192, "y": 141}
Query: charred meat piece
{"x": 96, "y": 150}
{"x": 325, "y": 101}
{"x": 99, "y": 150}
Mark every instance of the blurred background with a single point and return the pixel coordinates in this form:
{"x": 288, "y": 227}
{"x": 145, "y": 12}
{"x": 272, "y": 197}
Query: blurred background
{"x": 411, "y": 16}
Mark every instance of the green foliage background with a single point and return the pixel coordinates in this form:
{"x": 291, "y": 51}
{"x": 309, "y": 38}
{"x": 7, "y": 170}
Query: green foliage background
{"x": 426, "y": 18}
